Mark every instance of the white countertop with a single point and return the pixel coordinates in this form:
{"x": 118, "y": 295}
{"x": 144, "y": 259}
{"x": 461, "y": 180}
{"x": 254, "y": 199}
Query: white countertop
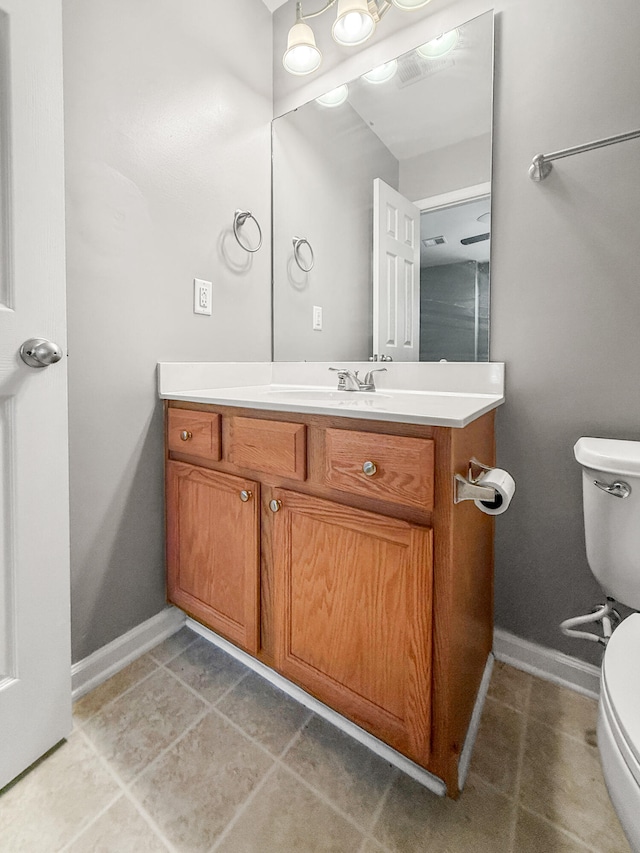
{"x": 438, "y": 394}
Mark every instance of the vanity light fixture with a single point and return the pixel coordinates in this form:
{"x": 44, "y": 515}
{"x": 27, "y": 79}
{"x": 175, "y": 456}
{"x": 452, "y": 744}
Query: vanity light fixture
{"x": 439, "y": 46}
{"x": 335, "y": 97}
{"x": 355, "y": 22}
{"x": 382, "y": 73}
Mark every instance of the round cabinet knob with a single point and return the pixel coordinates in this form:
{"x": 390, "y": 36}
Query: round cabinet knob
{"x": 185, "y": 435}
{"x": 274, "y": 505}
{"x": 245, "y": 495}
{"x": 369, "y": 468}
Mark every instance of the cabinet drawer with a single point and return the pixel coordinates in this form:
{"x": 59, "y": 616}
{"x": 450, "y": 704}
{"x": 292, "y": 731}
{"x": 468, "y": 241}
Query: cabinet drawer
{"x": 196, "y": 433}
{"x": 400, "y": 469}
{"x": 274, "y": 447}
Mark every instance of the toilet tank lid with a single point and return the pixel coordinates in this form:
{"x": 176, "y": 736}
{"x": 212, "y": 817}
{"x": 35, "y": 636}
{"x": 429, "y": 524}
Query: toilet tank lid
{"x": 621, "y": 679}
{"x": 610, "y": 455}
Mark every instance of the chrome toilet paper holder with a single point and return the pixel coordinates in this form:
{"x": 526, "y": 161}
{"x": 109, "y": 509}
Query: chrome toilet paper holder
{"x": 470, "y": 488}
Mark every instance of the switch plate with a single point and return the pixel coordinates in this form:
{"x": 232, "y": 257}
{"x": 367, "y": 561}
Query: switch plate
{"x": 317, "y": 318}
{"x": 201, "y": 296}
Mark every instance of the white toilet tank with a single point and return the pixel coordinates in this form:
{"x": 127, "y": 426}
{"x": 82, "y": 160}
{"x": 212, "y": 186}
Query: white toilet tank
{"x": 611, "y": 522}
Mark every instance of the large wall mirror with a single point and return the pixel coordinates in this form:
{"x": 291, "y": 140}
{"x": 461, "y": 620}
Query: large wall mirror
{"x": 382, "y": 208}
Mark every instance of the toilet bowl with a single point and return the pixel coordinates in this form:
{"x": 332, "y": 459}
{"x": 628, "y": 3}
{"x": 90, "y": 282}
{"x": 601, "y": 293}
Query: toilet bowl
{"x": 619, "y": 725}
{"x": 611, "y": 503}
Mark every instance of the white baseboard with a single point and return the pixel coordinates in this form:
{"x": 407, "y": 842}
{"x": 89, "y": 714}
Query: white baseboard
{"x": 105, "y": 662}
{"x": 547, "y": 663}
{"x": 433, "y": 783}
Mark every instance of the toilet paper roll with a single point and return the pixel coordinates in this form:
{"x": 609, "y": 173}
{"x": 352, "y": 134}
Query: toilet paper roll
{"x": 505, "y": 487}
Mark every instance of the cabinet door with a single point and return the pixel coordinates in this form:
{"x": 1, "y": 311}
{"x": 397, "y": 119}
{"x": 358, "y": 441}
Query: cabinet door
{"x": 353, "y": 598}
{"x": 213, "y": 551}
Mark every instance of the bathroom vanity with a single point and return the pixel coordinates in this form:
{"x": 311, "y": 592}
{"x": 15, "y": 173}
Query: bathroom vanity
{"x": 317, "y": 531}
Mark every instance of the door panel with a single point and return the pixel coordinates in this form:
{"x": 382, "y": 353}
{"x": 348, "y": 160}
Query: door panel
{"x": 213, "y": 550}
{"x": 35, "y": 660}
{"x": 353, "y": 594}
{"x": 396, "y": 274}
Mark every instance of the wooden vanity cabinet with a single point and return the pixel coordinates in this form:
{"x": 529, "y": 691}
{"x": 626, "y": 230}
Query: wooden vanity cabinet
{"x": 213, "y": 550}
{"x": 349, "y": 569}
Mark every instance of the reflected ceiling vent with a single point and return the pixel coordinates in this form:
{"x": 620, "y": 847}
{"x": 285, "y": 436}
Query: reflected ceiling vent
{"x": 430, "y": 242}
{"x": 413, "y": 68}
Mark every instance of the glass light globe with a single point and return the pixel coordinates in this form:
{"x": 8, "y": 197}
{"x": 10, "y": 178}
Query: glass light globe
{"x": 302, "y": 56}
{"x": 354, "y": 23}
{"x": 382, "y": 73}
{"x": 439, "y": 46}
{"x": 335, "y": 97}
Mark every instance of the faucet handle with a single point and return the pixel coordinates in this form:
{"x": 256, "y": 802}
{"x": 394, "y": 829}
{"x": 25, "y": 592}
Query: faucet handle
{"x": 368, "y": 379}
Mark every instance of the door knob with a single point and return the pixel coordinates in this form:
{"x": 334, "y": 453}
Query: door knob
{"x": 275, "y": 505}
{"x": 369, "y": 468}
{"x": 38, "y": 352}
{"x": 245, "y": 495}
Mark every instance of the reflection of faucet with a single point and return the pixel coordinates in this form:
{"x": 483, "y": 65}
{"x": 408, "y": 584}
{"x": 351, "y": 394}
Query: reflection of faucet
{"x": 349, "y": 380}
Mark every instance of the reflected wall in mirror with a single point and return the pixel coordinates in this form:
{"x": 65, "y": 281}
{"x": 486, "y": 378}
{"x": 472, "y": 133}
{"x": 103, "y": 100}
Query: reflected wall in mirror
{"x": 381, "y": 210}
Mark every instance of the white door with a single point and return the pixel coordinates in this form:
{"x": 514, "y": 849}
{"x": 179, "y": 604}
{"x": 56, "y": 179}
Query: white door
{"x": 396, "y": 275}
{"x": 35, "y": 669}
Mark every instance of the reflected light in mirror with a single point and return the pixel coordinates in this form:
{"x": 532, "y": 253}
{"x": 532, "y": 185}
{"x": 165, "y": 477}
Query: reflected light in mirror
{"x": 354, "y": 24}
{"x": 335, "y": 97}
{"x": 302, "y": 56}
{"x": 382, "y": 73}
{"x": 439, "y": 46}
{"x": 409, "y": 5}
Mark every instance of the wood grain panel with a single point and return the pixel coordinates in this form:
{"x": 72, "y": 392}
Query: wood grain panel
{"x": 202, "y": 429}
{"x": 213, "y": 550}
{"x": 463, "y": 595}
{"x": 404, "y": 466}
{"x": 353, "y": 594}
{"x": 276, "y": 447}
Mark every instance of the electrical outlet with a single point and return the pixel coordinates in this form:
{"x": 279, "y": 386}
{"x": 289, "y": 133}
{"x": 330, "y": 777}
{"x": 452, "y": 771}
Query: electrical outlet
{"x": 317, "y": 318}
{"x": 201, "y": 296}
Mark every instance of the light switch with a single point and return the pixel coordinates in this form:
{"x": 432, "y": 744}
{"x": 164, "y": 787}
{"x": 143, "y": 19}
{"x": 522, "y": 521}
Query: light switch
{"x": 201, "y": 296}
{"x": 317, "y": 318}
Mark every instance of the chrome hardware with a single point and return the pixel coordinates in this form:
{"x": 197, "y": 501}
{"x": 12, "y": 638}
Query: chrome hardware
{"x": 239, "y": 218}
{"x": 245, "y": 495}
{"x": 275, "y": 505}
{"x": 38, "y": 352}
{"x": 618, "y": 489}
{"x": 470, "y": 488}
{"x": 386, "y": 357}
{"x": 603, "y": 614}
{"x": 541, "y": 166}
{"x": 369, "y": 468}
{"x": 348, "y": 380}
{"x": 185, "y": 435}
{"x": 369, "y": 384}
{"x": 302, "y": 241}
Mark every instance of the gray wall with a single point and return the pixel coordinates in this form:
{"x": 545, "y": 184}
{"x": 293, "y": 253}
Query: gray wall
{"x": 452, "y": 168}
{"x": 167, "y": 133}
{"x": 564, "y": 279}
{"x": 327, "y": 197}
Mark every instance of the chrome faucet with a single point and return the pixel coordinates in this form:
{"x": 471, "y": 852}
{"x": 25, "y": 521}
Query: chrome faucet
{"x": 348, "y": 380}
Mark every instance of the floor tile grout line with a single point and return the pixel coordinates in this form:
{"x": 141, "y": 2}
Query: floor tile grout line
{"x": 127, "y": 786}
{"x": 519, "y": 769}
{"x": 242, "y": 808}
{"x": 179, "y": 652}
{"x": 124, "y": 792}
{"x": 379, "y": 809}
{"x": 556, "y": 827}
{"x": 195, "y": 692}
{"x": 326, "y": 800}
{"x": 82, "y": 723}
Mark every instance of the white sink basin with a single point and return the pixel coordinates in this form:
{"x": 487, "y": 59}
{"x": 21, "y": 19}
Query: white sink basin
{"x": 345, "y": 398}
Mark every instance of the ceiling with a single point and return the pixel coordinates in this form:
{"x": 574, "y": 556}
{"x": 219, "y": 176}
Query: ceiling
{"x": 455, "y": 223}
{"x": 431, "y": 104}
{"x": 272, "y": 5}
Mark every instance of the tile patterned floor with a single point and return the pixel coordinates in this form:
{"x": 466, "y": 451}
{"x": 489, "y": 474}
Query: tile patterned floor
{"x": 188, "y": 751}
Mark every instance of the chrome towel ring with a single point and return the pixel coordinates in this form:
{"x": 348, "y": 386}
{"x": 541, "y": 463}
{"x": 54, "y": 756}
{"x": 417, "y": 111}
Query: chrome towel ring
{"x": 239, "y": 219}
{"x": 302, "y": 241}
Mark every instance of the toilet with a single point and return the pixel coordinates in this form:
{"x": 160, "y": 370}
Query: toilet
{"x": 611, "y": 501}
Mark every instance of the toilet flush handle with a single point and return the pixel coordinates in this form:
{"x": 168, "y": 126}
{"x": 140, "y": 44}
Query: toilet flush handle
{"x": 617, "y": 489}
